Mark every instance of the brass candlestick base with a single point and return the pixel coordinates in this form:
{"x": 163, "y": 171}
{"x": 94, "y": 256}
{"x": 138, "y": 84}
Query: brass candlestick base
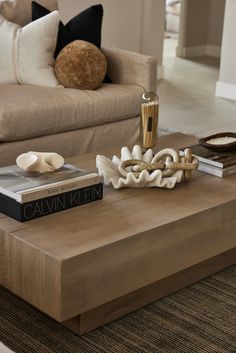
{"x": 149, "y": 119}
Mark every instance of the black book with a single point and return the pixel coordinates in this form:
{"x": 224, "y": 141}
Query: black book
{"x": 38, "y": 208}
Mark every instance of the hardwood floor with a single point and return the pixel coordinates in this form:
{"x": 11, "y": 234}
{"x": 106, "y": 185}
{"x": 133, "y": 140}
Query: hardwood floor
{"x": 187, "y": 97}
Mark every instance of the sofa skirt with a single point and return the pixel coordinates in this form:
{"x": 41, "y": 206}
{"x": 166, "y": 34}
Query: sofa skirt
{"x": 72, "y": 143}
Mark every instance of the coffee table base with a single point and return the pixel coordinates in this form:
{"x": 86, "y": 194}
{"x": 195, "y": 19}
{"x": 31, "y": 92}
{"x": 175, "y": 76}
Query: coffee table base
{"x": 113, "y": 310}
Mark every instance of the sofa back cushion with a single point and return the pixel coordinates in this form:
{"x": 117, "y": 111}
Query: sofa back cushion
{"x": 87, "y": 26}
{"x": 19, "y": 11}
{"x": 27, "y": 52}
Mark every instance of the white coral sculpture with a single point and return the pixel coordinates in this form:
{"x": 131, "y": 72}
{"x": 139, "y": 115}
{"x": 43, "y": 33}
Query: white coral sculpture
{"x": 110, "y": 170}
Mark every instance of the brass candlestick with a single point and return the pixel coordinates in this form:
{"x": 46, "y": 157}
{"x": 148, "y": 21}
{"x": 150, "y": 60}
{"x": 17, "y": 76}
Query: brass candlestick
{"x": 149, "y": 119}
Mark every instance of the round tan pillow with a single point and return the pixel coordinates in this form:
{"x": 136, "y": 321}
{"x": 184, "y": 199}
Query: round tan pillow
{"x": 81, "y": 65}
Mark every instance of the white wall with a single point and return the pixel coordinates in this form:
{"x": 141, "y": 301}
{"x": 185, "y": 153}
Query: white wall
{"x": 122, "y": 23}
{"x": 136, "y": 25}
{"x": 201, "y": 32}
{"x": 197, "y": 17}
{"x": 153, "y": 28}
{"x": 215, "y": 22}
{"x": 226, "y": 86}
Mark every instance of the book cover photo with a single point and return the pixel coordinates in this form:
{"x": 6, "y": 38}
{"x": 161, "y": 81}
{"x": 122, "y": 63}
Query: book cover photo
{"x": 24, "y": 186}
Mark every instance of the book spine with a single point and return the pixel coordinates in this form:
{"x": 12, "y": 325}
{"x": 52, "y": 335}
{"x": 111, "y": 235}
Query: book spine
{"x": 228, "y": 172}
{"x": 52, "y": 204}
{"x": 210, "y": 162}
{"x": 219, "y": 172}
{"x": 212, "y": 171}
{"x": 52, "y": 190}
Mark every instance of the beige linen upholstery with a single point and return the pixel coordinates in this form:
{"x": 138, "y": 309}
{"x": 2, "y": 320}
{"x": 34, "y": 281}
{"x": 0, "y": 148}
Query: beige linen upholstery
{"x": 131, "y": 68}
{"x": 19, "y": 11}
{"x": 23, "y": 62}
{"x": 39, "y": 111}
{"x": 72, "y": 143}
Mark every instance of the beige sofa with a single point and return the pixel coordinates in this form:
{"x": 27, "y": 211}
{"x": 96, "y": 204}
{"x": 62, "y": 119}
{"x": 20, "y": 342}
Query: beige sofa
{"x": 71, "y": 121}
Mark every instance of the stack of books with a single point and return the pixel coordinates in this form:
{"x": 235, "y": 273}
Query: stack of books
{"x": 218, "y": 164}
{"x": 25, "y": 196}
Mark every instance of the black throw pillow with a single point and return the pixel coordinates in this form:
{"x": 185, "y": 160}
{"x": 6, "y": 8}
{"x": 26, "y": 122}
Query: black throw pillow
{"x": 85, "y": 26}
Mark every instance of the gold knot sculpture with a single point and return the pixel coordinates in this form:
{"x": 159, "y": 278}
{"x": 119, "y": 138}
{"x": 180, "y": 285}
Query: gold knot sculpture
{"x": 168, "y": 161}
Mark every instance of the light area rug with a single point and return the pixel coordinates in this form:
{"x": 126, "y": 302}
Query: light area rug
{"x": 4, "y": 349}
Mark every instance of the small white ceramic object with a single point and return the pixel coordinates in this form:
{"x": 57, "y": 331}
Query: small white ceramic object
{"x": 40, "y": 161}
{"x": 109, "y": 170}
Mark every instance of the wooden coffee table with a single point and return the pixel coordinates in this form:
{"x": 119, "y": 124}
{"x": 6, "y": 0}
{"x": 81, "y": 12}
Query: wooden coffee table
{"x": 92, "y": 264}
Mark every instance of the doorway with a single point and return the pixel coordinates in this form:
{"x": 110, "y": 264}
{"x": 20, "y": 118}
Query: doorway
{"x": 172, "y": 27}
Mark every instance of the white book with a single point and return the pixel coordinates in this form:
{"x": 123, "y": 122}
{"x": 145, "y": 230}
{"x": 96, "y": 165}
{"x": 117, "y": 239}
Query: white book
{"x": 219, "y": 172}
{"x": 25, "y": 187}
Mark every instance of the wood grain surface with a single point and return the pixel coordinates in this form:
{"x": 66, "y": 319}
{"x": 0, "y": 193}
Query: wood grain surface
{"x": 119, "y": 307}
{"x": 70, "y": 263}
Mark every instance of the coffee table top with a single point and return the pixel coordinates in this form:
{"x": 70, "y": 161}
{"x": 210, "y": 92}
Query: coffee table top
{"x": 123, "y": 213}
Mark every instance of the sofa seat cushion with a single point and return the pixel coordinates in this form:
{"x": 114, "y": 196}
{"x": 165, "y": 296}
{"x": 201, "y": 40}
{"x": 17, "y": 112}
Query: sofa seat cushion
{"x": 29, "y": 111}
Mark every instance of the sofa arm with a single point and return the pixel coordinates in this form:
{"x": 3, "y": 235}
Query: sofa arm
{"x": 131, "y": 68}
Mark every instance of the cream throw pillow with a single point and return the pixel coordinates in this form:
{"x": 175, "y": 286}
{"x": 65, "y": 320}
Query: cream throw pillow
{"x": 20, "y": 12}
{"x": 26, "y": 54}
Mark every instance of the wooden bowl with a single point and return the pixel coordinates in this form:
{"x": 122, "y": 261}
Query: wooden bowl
{"x": 219, "y": 147}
